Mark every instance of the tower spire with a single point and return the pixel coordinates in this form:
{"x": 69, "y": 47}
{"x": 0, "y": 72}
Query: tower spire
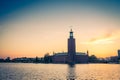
{"x": 87, "y": 52}
{"x": 71, "y": 30}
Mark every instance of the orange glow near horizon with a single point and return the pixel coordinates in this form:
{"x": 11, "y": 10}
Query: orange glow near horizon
{"x": 46, "y": 31}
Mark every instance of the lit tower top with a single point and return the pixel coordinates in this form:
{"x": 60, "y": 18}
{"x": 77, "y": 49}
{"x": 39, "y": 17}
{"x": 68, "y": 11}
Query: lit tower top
{"x": 71, "y": 48}
{"x": 71, "y": 33}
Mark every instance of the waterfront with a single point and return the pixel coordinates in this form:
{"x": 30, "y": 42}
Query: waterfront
{"x": 30, "y": 71}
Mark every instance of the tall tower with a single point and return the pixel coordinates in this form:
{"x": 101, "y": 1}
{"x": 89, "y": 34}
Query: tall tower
{"x": 71, "y": 48}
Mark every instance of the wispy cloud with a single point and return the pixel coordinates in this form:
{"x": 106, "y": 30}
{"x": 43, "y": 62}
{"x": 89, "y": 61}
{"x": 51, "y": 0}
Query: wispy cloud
{"x": 104, "y": 39}
{"x": 101, "y": 37}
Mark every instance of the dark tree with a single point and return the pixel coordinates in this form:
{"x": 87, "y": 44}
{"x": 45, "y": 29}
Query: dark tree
{"x": 47, "y": 58}
{"x": 36, "y": 60}
{"x": 7, "y": 59}
{"x": 93, "y": 59}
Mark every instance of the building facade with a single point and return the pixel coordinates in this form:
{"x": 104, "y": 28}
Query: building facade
{"x": 119, "y": 54}
{"x": 71, "y": 56}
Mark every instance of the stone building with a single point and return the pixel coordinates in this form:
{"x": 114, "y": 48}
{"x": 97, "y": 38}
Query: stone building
{"x": 71, "y": 56}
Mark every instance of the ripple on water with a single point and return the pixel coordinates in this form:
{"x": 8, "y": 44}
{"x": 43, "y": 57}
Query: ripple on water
{"x": 24, "y": 71}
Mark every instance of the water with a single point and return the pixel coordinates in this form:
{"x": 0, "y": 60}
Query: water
{"x": 29, "y": 71}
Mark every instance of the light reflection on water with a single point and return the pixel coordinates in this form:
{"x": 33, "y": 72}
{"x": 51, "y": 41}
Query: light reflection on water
{"x": 29, "y": 71}
{"x": 71, "y": 72}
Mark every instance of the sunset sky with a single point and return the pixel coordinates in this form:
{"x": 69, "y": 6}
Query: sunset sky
{"x": 35, "y": 27}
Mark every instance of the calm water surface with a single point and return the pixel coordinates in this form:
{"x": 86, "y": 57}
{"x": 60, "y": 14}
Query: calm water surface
{"x": 24, "y": 71}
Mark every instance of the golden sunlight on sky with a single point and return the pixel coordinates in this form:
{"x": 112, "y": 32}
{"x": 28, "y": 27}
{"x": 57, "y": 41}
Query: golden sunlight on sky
{"x": 35, "y": 32}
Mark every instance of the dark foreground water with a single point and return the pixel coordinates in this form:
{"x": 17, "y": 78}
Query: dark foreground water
{"x": 24, "y": 71}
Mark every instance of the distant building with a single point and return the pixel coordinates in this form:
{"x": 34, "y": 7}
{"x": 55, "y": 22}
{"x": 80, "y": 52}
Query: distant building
{"x": 114, "y": 59}
{"x": 119, "y": 54}
{"x": 71, "y": 56}
{"x": 23, "y": 59}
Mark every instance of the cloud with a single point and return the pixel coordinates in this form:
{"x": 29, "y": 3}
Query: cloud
{"x": 106, "y": 36}
{"x": 104, "y": 39}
